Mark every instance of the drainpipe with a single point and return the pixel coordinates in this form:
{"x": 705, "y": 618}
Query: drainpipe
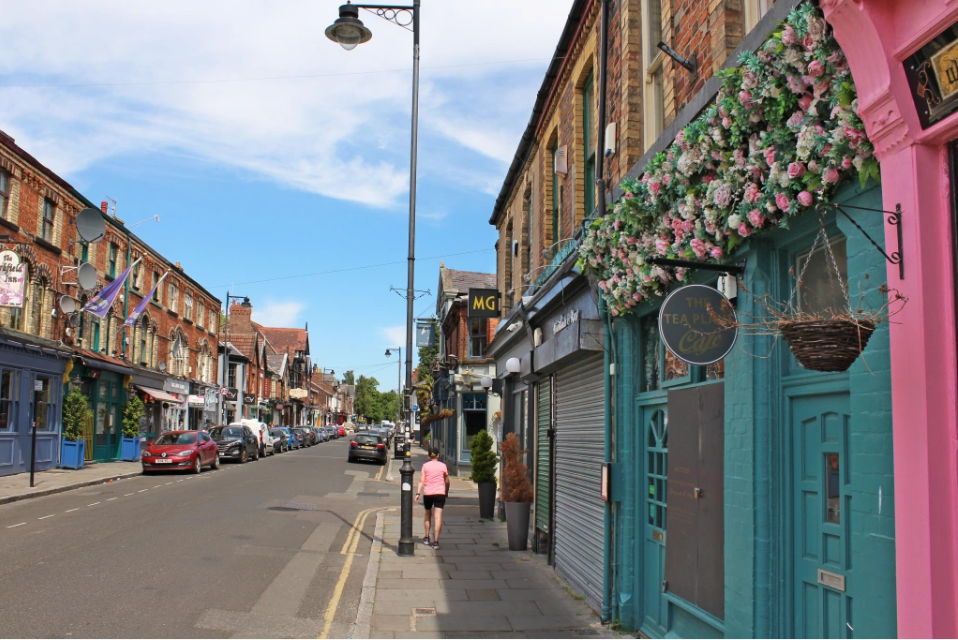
{"x": 126, "y": 291}
{"x": 604, "y": 316}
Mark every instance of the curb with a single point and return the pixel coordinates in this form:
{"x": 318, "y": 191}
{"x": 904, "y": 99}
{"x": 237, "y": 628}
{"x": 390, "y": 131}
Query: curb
{"x": 367, "y": 598}
{"x": 67, "y": 487}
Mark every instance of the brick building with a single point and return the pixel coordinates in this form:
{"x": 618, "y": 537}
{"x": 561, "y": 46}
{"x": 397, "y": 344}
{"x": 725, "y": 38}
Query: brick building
{"x": 168, "y": 358}
{"x": 293, "y": 343}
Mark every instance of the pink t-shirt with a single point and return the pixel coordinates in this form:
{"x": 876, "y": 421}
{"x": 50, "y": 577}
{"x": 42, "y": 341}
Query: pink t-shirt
{"x": 434, "y": 475}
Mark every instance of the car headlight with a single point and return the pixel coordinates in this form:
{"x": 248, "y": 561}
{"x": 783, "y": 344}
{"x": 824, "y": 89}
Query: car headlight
{"x": 183, "y": 454}
{"x": 233, "y": 445}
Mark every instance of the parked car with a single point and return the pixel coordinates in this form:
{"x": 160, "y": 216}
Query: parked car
{"x": 180, "y": 451}
{"x": 342, "y": 432}
{"x": 292, "y": 438}
{"x": 306, "y": 437}
{"x": 261, "y": 431}
{"x": 312, "y": 434}
{"x": 320, "y": 434}
{"x": 368, "y": 446}
{"x": 280, "y": 440}
{"x": 236, "y": 442}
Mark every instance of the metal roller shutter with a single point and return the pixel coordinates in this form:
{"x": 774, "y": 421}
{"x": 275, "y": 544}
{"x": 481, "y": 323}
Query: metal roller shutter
{"x": 543, "y": 457}
{"x": 580, "y": 451}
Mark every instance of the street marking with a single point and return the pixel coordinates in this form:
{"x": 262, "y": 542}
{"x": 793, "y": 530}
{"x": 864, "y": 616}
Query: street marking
{"x": 14, "y": 526}
{"x": 348, "y": 550}
{"x": 108, "y": 499}
{"x": 168, "y": 483}
{"x": 142, "y": 490}
{"x": 158, "y": 486}
{"x": 72, "y": 510}
{"x": 127, "y": 495}
{"x": 379, "y": 476}
{"x": 179, "y": 481}
{"x": 93, "y": 505}
{"x": 45, "y": 517}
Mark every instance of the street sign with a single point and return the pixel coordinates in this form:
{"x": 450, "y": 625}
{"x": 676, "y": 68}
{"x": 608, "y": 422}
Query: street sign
{"x": 689, "y": 330}
{"x": 425, "y": 333}
{"x": 483, "y": 303}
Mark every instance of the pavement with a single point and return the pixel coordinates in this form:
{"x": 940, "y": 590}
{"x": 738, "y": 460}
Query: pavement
{"x": 17, "y": 487}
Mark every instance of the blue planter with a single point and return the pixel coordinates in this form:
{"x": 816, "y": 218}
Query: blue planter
{"x": 130, "y": 449}
{"x": 71, "y": 454}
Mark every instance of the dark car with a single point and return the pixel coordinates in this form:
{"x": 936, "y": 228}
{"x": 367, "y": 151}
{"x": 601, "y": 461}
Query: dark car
{"x": 292, "y": 438}
{"x": 280, "y": 440}
{"x": 332, "y": 432}
{"x": 236, "y": 442}
{"x": 180, "y": 451}
{"x": 321, "y": 435}
{"x": 306, "y": 436}
{"x": 368, "y": 446}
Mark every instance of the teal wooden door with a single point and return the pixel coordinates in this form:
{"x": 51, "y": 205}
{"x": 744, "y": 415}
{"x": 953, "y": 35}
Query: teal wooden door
{"x": 106, "y": 418}
{"x": 823, "y": 584}
{"x": 655, "y": 429}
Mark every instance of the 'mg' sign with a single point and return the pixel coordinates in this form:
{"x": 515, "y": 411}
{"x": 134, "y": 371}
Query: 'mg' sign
{"x": 483, "y": 303}
{"x": 688, "y": 329}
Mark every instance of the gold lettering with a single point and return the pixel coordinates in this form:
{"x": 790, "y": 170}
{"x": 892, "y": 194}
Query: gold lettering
{"x": 478, "y": 303}
{"x": 491, "y": 303}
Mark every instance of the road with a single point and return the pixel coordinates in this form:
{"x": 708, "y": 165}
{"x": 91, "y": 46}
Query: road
{"x": 254, "y": 550}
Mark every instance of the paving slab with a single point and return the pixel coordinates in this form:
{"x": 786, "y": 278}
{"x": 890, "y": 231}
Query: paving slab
{"x": 481, "y": 595}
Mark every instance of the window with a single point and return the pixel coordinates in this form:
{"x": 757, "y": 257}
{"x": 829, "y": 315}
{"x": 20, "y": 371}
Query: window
{"x": 509, "y": 264}
{"x": 137, "y": 273}
{"x": 526, "y": 264}
{"x": 201, "y": 311}
{"x": 477, "y": 337}
{"x": 18, "y": 314}
{"x": 9, "y": 393}
{"x": 555, "y": 201}
{"x": 144, "y": 354}
{"x": 188, "y": 306}
{"x": 49, "y": 216}
{"x": 588, "y": 146}
{"x": 43, "y": 397}
{"x": 113, "y": 251}
{"x": 96, "y": 333}
{"x": 652, "y": 62}
{"x": 232, "y": 376}
{"x": 754, "y": 10}
{"x": 156, "y": 291}
{"x": 4, "y": 194}
{"x": 172, "y": 303}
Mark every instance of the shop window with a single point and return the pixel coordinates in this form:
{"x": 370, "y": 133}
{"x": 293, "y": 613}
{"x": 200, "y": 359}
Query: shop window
{"x": 144, "y": 331}
{"x": 114, "y": 250}
{"x": 4, "y": 195}
{"x": 43, "y": 399}
{"x": 652, "y": 64}
{"x": 49, "y": 218}
{"x": 477, "y": 337}
{"x": 473, "y": 417}
{"x": 651, "y": 358}
{"x": 9, "y": 395}
{"x": 820, "y": 287}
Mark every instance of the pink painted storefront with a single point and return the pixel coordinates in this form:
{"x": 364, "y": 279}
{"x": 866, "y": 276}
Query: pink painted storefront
{"x": 912, "y": 118}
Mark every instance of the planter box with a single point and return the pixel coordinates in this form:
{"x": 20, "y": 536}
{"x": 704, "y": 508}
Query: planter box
{"x": 487, "y": 500}
{"x": 71, "y": 454}
{"x": 130, "y": 449}
{"x": 517, "y": 525}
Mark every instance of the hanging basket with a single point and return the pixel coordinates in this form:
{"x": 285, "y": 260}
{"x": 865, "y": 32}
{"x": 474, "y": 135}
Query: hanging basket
{"x": 827, "y": 345}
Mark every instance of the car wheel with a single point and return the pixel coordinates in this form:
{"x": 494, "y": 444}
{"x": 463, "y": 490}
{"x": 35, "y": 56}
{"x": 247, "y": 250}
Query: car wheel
{"x": 255, "y": 454}
{"x": 244, "y": 456}
{"x": 197, "y": 465}
{"x": 216, "y": 462}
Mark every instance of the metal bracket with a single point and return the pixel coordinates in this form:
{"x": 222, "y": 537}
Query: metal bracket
{"x": 399, "y": 15}
{"x": 894, "y": 218}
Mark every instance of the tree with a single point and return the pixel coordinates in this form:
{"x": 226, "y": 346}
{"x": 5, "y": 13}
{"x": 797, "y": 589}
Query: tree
{"x": 350, "y": 378}
{"x": 427, "y": 356}
{"x": 76, "y": 413}
{"x": 483, "y": 458}
{"x": 367, "y": 402}
{"x": 132, "y": 413}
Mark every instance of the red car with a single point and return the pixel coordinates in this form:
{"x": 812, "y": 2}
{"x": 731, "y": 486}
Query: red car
{"x": 342, "y": 432}
{"x": 181, "y": 451}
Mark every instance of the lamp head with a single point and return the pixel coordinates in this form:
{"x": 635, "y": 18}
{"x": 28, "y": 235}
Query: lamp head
{"x": 513, "y": 365}
{"x": 348, "y": 31}
{"x": 389, "y": 353}
{"x": 486, "y": 382}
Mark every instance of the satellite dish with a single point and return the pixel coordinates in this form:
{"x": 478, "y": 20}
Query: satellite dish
{"x": 86, "y": 276}
{"x": 90, "y": 224}
{"x": 74, "y": 320}
{"x": 162, "y": 366}
{"x": 67, "y": 304}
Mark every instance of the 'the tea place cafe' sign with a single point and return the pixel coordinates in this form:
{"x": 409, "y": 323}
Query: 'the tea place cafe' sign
{"x": 687, "y": 324}
{"x": 12, "y": 280}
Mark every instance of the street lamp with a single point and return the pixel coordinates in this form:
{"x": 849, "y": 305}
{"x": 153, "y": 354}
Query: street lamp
{"x": 399, "y": 388}
{"x": 349, "y": 31}
{"x": 226, "y": 350}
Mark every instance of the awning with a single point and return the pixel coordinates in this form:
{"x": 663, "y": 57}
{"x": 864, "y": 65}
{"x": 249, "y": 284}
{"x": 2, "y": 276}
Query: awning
{"x": 158, "y": 395}
{"x": 196, "y": 400}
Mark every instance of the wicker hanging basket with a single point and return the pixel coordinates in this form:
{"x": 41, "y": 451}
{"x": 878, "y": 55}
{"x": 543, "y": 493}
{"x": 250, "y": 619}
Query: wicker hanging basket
{"x": 827, "y": 345}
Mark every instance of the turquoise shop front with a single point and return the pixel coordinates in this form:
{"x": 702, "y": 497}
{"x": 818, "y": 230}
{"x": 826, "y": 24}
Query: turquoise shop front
{"x": 752, "y": 497}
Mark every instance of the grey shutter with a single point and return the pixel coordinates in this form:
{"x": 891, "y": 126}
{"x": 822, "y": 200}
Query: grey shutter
{"x": 543, "y": 457}
{"x": 580, "y": 452}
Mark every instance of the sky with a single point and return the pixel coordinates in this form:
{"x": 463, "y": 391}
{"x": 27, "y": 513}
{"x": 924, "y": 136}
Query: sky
{"x": 277, "y": 162}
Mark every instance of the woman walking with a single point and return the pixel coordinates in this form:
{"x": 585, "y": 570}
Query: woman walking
{"x": 434, "y": 479}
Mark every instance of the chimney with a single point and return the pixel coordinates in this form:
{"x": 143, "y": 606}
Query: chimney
{"x": 241, "y": 309}
{"x": 104, "y": 206}
{"x": 178, "y": 266}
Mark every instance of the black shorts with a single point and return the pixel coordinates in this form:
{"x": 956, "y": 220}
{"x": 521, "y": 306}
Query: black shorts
{"x": 438, "y": 501}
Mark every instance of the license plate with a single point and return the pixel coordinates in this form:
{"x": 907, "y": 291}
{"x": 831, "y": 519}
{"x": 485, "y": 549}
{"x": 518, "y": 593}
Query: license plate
{"x": 367, "y": 447}
{"x": 162, "y": 461}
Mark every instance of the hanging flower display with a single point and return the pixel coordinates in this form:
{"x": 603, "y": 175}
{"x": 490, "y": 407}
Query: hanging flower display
{"x": 782, "y": 133}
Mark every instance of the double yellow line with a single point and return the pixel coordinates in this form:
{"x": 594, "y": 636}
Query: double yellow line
{"x": 348, "y": 550}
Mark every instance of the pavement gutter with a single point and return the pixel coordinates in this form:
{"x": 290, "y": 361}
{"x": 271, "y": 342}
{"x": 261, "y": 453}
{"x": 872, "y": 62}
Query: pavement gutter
{"x": 67, "y": 487}
{"x": 367, "y": 598}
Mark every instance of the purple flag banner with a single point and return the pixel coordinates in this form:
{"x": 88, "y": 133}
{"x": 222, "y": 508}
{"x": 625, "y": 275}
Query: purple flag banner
{"x": 138, "y": 311}
{"x": 100, "y": 304}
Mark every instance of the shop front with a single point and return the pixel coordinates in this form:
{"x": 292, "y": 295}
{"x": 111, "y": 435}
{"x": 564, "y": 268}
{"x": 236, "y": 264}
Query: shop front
{"x": 30, "y": 393}
{"x": 201, "y": 403}
{"x": 149, "y": 388}
{"x": 105, "y": 381}
{"x": 177, "y": 411}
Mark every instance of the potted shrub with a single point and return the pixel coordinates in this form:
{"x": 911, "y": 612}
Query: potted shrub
{"x": 484, "y": 472}
{"x": 76, "y": 413}
{"x": 516, "y": 492}
{"x": 130, "y": 443}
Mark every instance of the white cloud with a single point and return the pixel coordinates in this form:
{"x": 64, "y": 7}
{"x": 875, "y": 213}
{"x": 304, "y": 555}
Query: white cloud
{"x": 278, "y": 314}
{"x": 395, "y": 336}
{"x": 315, "y": 134}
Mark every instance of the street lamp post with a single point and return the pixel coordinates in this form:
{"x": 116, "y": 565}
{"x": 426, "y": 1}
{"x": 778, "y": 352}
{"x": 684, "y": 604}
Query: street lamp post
{"x": 349, "y": 32}
{"x": 226, "y": 350}
{"x": 399, "y": 389}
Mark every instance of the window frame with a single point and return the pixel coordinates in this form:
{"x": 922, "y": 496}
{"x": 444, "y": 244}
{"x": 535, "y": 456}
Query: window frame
{"x": 48, "y": 224}
{"x": 188, "y": 306}
{"x": 13, "y": 402}
{"x": 653, "y": 61}
{"x": 114, "y": 253}
{"x": 6, "y": 189}
{"x": 483, "y": 325}
{"x": 172, "y": 300}
{"x": 156, "y": 289}
{"x": 588, "y": 147}
{"x": 556, "y": 214}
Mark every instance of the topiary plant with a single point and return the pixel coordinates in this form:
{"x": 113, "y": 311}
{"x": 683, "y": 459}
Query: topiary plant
{"x": 483, "y": 458}
{"x": 132, "y": 413}
{"x": 76, "y": 413}
{"x": 516, "y": 486}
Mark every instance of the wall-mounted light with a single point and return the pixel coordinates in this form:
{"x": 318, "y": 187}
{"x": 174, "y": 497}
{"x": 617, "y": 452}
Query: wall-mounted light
{"x": 688, "y": 63}
{"x": 513, "y": 365}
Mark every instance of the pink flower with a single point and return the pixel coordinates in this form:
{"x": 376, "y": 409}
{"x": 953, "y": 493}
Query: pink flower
{"x": 781, "y": 200}
{"x": 722, "y": 195}
{"x": 629, "y": 195}
{"x": 815, "y": 69}
{"x": 830, "y": 176}
{"x": 744, "y": 230}
{"x": 667, "y": 179}
{"x": 789, "y": 36}
{"x": 796, "y": 119}
{"x": 655, "y": 187}
{"x": 698, "y": 247}
{"x": 846, "y": 162}
{"x": 603, "y": 285}
{"x": 745, "y": 98}
{"x": 637, "y": 297}
{"x": 816, "y": 28}
{"x": 716, "y": 252}
{"x": 805, "y": 101}
{"x": 617, "y": 224}
{"x": 752, "y": 193}
{"x": 661, "y": 246}
{"x": 756, "y": 218}
{"x": 796, "y": 170}
{"x": 726, "y": 122}
{"x": 680, "y": 137}
{"x": 808, "y": 42}
{"x": 805, "y": 198}
{"x": 770, "y": 156}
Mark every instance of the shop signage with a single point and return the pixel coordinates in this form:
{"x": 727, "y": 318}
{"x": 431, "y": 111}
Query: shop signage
{"x": 209, "y": 398}
{"x": 932, "y": 74}
{"x": 688, "y": 328}
{"x": 298, "y": 394}
{"x": 176, "y": 386}
{"x": 228, "y": 392}
{"x": 195, "y": 400}
{"x": 565, "y": 320}
{"x": 483, "y": 303}
{"x": 248, "y": 398}
{"x": 425, "y": 334}
{"x": 12, "y": 280}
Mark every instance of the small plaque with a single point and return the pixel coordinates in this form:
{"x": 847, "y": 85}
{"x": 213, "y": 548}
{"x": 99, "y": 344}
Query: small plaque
{"x": 658, "y": 535}
{"x": 945, "y": 64}
{"x": 831, "y": 580}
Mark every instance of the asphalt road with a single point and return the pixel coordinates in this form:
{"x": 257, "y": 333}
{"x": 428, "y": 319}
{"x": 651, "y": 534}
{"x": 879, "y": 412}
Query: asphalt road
{"x": 252, "y": 550}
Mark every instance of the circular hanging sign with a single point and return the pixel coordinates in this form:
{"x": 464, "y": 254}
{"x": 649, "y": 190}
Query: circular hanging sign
{"x": 9, "y": 258}
{"x": 690, "y": 331}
